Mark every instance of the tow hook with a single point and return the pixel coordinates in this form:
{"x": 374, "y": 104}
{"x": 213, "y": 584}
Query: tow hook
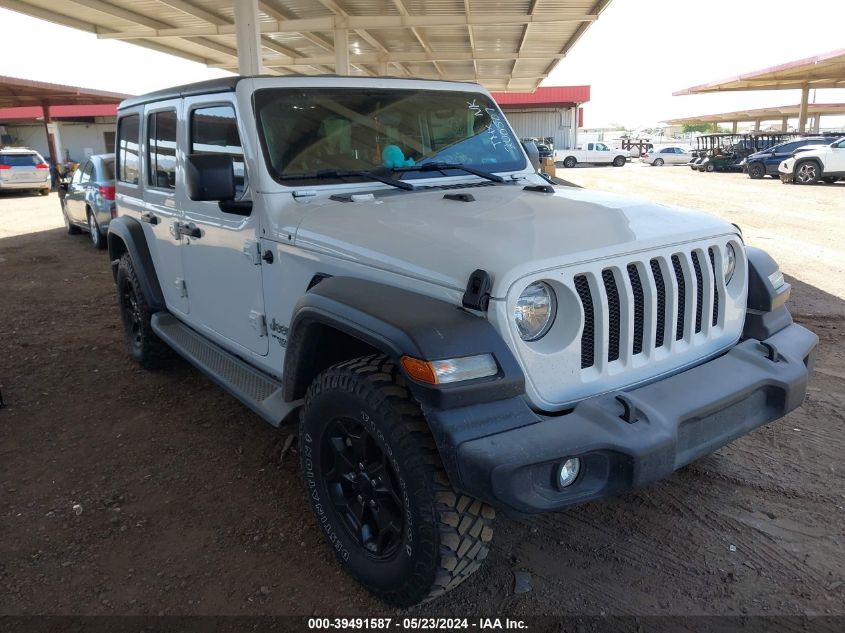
{"x": 771, "y": 351}
{"x": 630, "y": 413}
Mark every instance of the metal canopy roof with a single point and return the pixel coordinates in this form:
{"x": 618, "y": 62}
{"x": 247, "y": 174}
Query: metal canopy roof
{"x": 763, "y": 114}
{"x": 503, "y": 44}
{"x": 16, "y": 92}
{"x": 820, "y": 71}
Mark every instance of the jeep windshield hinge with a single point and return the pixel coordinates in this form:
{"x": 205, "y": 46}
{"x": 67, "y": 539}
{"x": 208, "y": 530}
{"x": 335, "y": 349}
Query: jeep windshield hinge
{"x": 479, "y": 287}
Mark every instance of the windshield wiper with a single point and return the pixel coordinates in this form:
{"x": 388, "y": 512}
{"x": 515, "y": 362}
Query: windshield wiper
{"x": 334, "y": 173}
{"x": 444, "y": 166}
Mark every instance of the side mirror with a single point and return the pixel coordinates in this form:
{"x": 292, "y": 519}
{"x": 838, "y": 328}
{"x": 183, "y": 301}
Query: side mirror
{"x": 530, "y": 148}
{"x": 210, "y": 177}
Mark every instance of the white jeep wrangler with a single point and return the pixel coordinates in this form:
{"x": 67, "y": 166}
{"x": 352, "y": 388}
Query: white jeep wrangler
{"x": 378, "y": 261}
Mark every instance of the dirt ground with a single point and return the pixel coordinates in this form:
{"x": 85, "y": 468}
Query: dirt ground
{"x": 129, "y": 492}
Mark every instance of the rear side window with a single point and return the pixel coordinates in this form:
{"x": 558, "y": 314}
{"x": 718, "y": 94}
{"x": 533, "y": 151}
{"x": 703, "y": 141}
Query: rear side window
{"x": 161, "y": 149}
{"x": 107, "y": 170}
{"x": 128, "y": 142}
{"x": 19, "y": 160}
{"x": 214, "y": 130}
{"x": 87, "y": 172}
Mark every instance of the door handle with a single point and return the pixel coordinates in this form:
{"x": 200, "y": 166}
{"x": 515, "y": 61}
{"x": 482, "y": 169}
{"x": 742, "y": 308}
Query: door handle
{"x": 149, "y": 218}
{"x": 189, "y": 230}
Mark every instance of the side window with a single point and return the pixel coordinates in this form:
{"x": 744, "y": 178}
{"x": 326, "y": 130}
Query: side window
{"x": 87, "y": 172}
{"x": 214, "y": 130}
{"x": 161, "y": 149}
{"x": 77, "y": 176}
{"x": 601, "y": 147}
{"x": 840, "y": 145}
{"x": 786, "y": 149}
{"x": 128, "y": 143}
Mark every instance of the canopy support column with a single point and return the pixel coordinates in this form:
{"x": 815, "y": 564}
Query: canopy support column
{"x": 784, "y": 124}
{"x": 757, "y": 125}
{"x": 816, "y": 123}
{"x": 802, "y": 116}
{"x": 247, "y": 36}
{"x": 51, "y": 147}
{"x": 341, "y": 51}
{"x": 716, "y": 127}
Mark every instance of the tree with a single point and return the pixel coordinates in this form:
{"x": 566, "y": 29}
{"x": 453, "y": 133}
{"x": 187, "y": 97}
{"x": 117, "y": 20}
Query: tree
{"x": 696, "y": 127}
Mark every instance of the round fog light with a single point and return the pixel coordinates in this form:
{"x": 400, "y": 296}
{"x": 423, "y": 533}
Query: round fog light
{"x": 568, "y": 472}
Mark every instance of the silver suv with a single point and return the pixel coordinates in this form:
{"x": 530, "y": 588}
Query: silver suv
{"x": 23, "y": 169}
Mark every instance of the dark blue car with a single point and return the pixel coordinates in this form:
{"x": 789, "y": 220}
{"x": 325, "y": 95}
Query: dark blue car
{"x": 766, "y": 162}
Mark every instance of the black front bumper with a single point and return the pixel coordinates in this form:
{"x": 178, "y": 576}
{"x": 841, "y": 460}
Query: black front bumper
{"x": 670, "y": 423}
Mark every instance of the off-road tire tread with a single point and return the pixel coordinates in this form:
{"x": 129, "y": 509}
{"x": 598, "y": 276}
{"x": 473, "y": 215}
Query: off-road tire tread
{"x": 464, "y": 525}
{"x": 156, "y": 353}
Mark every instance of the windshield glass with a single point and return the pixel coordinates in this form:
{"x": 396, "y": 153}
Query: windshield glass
{"x": 305, "y": 131}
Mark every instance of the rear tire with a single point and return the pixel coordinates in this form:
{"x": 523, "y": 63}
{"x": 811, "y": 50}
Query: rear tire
{"x": 147, "y": 349}
{"x": 97, "y": 238}
{"x": 569, "y": 162}
{"x": 756, "y": 170}
{"x": 45, "y": 192}
{"x": 378, "y": 489}
{"x": 619, "y": 161}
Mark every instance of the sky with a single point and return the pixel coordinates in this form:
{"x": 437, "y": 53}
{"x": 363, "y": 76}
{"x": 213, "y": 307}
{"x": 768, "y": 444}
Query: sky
{"x": 635, "y": 55}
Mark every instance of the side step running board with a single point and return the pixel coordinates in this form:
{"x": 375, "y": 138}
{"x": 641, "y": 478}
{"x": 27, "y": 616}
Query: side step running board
{"x": 260, "y": 392}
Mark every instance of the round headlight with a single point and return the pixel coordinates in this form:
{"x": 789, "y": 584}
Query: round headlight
{"x": 729, "y": 265}
{"x": 535, "y": 311}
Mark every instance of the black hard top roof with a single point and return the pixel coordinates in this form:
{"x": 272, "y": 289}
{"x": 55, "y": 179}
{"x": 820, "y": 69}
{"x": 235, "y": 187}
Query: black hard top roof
{"x": 228, "y": 84}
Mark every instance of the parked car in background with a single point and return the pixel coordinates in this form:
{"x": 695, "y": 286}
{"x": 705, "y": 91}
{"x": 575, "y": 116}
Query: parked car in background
{"x": 808, "y": 166}
{"x": 765, "y": 163}
{"x": 667, "y": 156}
{"x": 593, "y": 153}
{"x": 23, "y": 169}
{"x": 88, "y": 198}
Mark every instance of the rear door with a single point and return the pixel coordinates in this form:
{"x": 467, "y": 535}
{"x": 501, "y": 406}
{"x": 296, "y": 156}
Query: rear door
{"x": 222, "y": 261}
{"x": 76, "y": 192}
{"x": 162, "y": 216}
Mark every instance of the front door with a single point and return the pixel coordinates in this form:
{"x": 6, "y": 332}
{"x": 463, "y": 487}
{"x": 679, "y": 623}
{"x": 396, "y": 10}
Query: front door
{"x": 836, "y": 161}
{"x": 222, "y": 261}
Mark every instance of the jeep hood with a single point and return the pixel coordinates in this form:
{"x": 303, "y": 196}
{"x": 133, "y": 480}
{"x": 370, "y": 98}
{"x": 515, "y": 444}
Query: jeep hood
{"x": 505, "y": 230}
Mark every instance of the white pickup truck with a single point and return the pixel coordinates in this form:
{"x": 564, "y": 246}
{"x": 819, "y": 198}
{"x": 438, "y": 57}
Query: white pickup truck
{"x": 593, "y": 153}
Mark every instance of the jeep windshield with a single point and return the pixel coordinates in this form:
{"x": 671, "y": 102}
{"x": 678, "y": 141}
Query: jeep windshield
{"x": 310, "y": 131}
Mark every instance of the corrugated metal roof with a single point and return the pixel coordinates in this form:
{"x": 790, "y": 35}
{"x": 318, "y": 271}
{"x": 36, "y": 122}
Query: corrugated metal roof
{"x": 820, "y": 71}
{"x": 58, "y": 112}
{"x": 545, "y": 96}
{"x": 16, "y": 92}
{"x": 506, "y": 45}
{"x": 763, "y": 114}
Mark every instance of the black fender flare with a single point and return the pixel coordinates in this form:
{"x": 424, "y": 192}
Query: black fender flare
{"x": 398, "y": 323}
{"x": 766, "y": 311}
{"x": 126, "y": 235}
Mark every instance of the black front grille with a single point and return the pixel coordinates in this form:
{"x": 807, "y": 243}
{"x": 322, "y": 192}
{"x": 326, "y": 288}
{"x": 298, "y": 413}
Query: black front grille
{"x": 715, "y": 287}
{"x": 649, "y": 280}
{"x": 699, "y": 293}
{"x": 661, "y": 303}
{"x": 682, "y": 293}
{"x": 588, "y": 337}
{"x": 613, "y": 316}
{"x": 639, "y": 307}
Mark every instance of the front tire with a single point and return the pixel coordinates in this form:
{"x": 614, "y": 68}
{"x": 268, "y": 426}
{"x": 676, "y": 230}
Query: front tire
{"x": 97, "y": 238}
{"x": 147, "y": 349}
{"x": 756, "y": 170}
{"x": 710, "y": 167}
{"x": 378, "y": 489}
{"x": 658, "y": 162}
{"x": 807, "y": 173}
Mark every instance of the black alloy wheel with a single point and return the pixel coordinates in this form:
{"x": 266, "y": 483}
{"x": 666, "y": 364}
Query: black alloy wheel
{"x": 363, "y": 487}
